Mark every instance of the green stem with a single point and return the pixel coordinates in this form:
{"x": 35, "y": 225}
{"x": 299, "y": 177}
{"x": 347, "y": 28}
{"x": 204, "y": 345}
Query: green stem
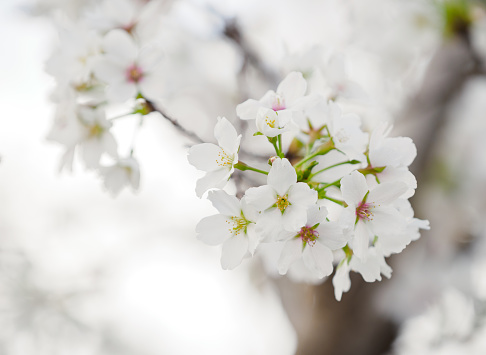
{"x": 324, "y": 149}
{"x": 279, "y": 139}
{"x": 339, "y": 202}
{"x": 332, "y": 166}
{"x": 335, "y": 183}
{"x": 243, "y": 166}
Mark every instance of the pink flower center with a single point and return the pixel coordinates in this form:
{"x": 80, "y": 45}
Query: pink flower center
{"x": 134, "y": 74}
{"x": 308, "y": 235}
{"x": 278, "y": 104}
{"x": 365, "y": 211}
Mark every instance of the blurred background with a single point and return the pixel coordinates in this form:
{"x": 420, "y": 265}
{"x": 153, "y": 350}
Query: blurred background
{"x": 83, "y": 272}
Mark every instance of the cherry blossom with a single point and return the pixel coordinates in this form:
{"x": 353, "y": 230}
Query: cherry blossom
{"x": 217, "y": 161}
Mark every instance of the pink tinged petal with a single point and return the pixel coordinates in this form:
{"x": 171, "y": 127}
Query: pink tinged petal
{"x": 291, "y": 252}
{"x": 254, "y": 238}
{"x": 120, "y": 44}
{"x": 226, "y": 204}
{"x": 341, "y": 280}
{"x": 226, "y": 135}
{"x": 331, "y": 235}
{"x": 301, "y": 194}
{"x": 281, "y": 176}
{"x": 361, "y": 240}
{"x": 294, "y": 218}
{"x": 268, "y": 99}
{"x": 121, "y": 91}
{"x": 233, "y": 252}
{"x": 248, "y": 109}
{"x": 109, "y": 71}
{"x": 354, "y": 188}
{"x": 261, "y": 198}
{"x": 318, "y": 259}
{"x": 214, "y": 230}
{"x": 292, "y": 87}
{"x": 386, "y": 193}
{"x": 213, "y": 179}
{"x": 205, "y": 156}
{"x": 316, "y": 215}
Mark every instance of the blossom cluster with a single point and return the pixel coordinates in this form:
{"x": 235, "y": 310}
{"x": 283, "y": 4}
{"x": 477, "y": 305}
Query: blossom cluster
{"x": 335, "y": 197}
{"x": 108, "y": 66}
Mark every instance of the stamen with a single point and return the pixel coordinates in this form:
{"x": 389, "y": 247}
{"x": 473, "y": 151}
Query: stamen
{"x": 365, "y": 211}
{"x": 237, "y": 225}
{"x": 283, "y": 203}
{"x": 278, "y": 104}
{"x": 134, "y": 74}
{"x": 224, "y": 159}
{"x": 308, "y": 235}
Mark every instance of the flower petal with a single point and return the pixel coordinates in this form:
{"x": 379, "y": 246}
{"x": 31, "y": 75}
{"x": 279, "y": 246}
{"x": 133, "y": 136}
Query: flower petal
{"x": 205, "y": 156}
{"x": 302, "y": 195}
{"x": 262, "y": 197}
{"x": 234, "y": 250}
{"x": 292, "y": 87}
{"x": 119, "y": 44}
{"x": 213, "y": 230}
{"x": 213, "y": 179}
{"x": 387, "y": 193}
{"x": 361, "y": 240}
{"x": 354, "y": 188}
{"x": 248, "y": 109}
{"x": 318, "y": 259}
{"x": 281, "y": 176}
{"x": 226, "y": 204}
{"x": 225, "y": 134}
{"x": 291, "y": 252}
{"x": 331, "y": 235}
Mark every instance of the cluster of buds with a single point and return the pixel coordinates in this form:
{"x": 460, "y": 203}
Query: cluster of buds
{"x": 335, "y": 197}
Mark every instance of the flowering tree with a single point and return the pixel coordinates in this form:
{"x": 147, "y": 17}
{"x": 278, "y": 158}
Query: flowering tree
{"x": 307, "y": 178}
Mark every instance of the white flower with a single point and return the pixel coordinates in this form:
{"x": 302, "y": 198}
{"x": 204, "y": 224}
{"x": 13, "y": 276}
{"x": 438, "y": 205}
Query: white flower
{"x": 217, "y": 161}
{"x": 272, "y": 123}
{"x": 284, "y": 201}
{"x": 392, "y": 156}
{"x": 125, "y": 172}
{"x": 314, "y": 242}
{"x": 288, "y": 98}
{"x": 370, "y": 212}
{"x": 85, "y": 128}
{"x": 127, "y": 70}
{"x": 234, "y": 227}
{"x": 346, "y": 133}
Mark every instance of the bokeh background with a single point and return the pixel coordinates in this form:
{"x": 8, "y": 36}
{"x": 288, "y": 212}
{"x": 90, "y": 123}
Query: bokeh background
{"x": 84, "y": 273}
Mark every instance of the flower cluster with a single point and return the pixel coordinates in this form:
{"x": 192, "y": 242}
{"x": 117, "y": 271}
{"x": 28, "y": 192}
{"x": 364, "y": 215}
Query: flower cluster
{"x": 335, "y": 196}
{"x": 108, "y": 66}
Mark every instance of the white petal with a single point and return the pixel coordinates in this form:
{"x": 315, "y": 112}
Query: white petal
{"x": 213, "y": 179}
{"x": 331, "y": 235}
{"x": 150, "y": 57}
{"x": 341, "y": 280}
{"x": 290, "y": 253}
{"x": 261, "y": 197}
{"x": 316, "y": 215}
{"x": 214, "y": 230}
{"x": 318, "y": 259}
{"x": 109, "y": 145}
{"x": 205, "y": 156}
{"x": 354, "y": 188}
{"x": 292, "y": 87}
{"x": 234, "y": 250}
{"x": 294, "y": 218}
{"x": 361, "y": 240}
{"x": 301, "y": 194}
{"x": 281, "y": 176}
{"x": 151, "y": 86}
{"x": 253, "y": 238}
{"x": 121, "y": 91}
{"x": 387, "y": 193}
{"x": 92, "y": 149}
{"x": 120, "y": 44}
{"x": 109, "y": 71}
{"x": 226, "y": 135}
{"x": 248, "y": 109}
{"x": 226, "y": 204}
